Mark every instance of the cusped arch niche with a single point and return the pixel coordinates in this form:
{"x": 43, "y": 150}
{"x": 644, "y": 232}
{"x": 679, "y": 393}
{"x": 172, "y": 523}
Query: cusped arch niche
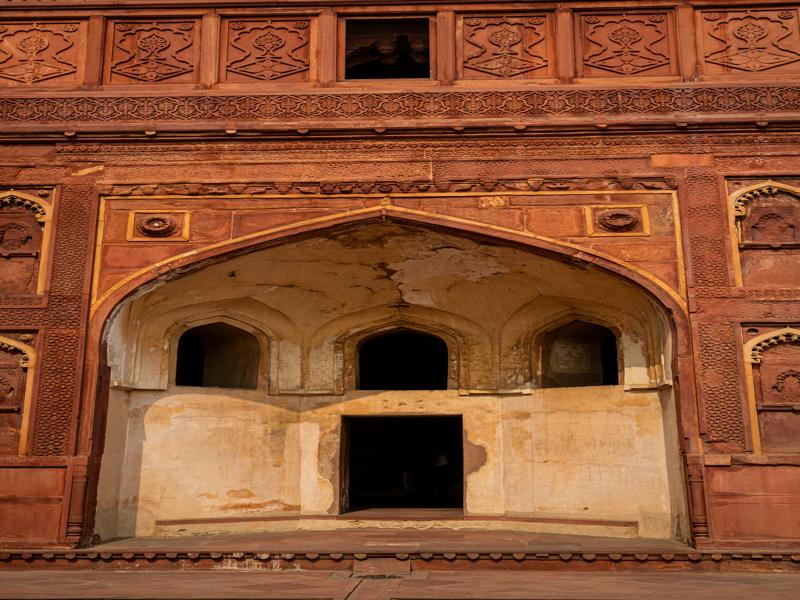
{"x": 17, "y": 365}
{"x": 766, "y": 223}
{"x": 772, "y": 360}
{"x": 24, "y": 232}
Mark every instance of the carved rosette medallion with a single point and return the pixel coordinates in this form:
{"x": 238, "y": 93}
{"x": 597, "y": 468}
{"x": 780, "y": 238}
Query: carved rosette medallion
{"x": 751, "y": 41}
{"x": 31, "y": 53}
{"x": 504, "y": 47}
{"x": 627, "y": 44}
{"x": 266, "y": 49}
{"x": 152, "y": 52}
{"x": 617, "y": 220}
{"x": 156, "y": 225}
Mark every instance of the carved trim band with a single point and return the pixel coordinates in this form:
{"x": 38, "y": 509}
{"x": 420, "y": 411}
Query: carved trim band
{"x": 415, "y": 105}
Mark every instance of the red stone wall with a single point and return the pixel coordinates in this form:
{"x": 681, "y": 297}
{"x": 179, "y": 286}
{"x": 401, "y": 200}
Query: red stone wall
{"x": 618, "y": 138}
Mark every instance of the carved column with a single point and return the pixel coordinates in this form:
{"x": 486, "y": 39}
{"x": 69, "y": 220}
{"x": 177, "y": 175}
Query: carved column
{"x": 697, "y": 498}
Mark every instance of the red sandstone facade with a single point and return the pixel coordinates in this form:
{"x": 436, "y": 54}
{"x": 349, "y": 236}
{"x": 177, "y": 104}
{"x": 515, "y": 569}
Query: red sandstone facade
{"x": 655, "y": 141}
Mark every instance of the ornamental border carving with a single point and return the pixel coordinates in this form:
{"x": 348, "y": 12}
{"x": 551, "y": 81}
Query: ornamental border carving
{"x": 355, "y": 106}
{"x": 377, "y": 188}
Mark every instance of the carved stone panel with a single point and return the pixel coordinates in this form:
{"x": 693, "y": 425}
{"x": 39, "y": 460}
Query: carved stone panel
{"x": 776, "y": 378}
{"x": 148, "y": 52}
{"x": 505, "y": 47}
{"x": 41, "y": 53}
{"x": 768, "y": 232}
{"x": 750, "y": 41}
{"x": 20, "y": 246}
{"x": 622, "y": 45}
{"x": 13, "y": 372}
{"x": 265, "y": 50}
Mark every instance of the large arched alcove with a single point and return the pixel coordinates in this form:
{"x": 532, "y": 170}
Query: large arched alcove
{"x": 527, "y": 450}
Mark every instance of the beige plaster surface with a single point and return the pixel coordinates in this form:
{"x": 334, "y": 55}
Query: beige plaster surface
{"x": 583, "y": 460}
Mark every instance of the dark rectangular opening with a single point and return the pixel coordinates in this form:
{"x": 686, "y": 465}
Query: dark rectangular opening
{"x": 402, "y": 462}
{"x": 387, "y": 49}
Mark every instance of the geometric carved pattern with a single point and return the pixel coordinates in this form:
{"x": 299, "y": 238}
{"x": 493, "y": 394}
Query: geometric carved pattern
{"x": 406, "y": 105}
{"x": 61, "y": 360}
{"x": 34, "y": 52}
{"x": 267, "y": 49}
{"x": 626, "y": 44}
{"x": 709, "y": 261}
{"x": 504, "y": 46}
{"x": 719, "y": 384}
{"x": 152, "y": 52}
{"x": 752, "y": 40}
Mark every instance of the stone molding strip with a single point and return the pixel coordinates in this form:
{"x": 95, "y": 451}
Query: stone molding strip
{"x": 96, "y": 558}
{"x": 329, "y": 108}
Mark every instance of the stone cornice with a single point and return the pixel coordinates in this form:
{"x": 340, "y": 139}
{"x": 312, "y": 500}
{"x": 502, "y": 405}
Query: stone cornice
{"x": 332, "y": 110}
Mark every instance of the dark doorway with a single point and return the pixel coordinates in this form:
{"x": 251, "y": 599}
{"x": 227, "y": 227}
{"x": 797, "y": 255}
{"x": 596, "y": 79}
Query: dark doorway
{"x": 402, "y": 462}
{"x": 402, "y": 360}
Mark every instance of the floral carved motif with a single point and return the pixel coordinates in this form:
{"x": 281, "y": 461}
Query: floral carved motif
{"x": 36, "y": 52}
{"x": 751, "y": 40}
{"x": 268, "y": 49}
{"x": 504, "y": 46}
{"x": 626, "y": 44}
{"x": 152, "y": 52}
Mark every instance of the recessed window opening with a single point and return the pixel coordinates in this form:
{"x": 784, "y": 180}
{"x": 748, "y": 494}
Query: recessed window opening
{"x": 387, "y": 49}
{"x": 580, "y": 354}
{"x": 217, "y": 355}
{"x": 402, "y": 360}
{"x": 403, "y": 462}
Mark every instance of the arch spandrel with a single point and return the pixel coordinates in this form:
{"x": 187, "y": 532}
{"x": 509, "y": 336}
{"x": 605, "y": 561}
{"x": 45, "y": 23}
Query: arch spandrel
{"x": 105, "y": 294}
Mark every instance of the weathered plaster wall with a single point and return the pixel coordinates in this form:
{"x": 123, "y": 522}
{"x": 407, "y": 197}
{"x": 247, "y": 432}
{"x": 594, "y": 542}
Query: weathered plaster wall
{"x": 573, "y": 458}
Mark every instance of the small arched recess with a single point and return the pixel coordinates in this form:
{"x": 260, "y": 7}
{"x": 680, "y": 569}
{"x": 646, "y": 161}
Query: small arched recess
{"x": 217, "y": 355}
